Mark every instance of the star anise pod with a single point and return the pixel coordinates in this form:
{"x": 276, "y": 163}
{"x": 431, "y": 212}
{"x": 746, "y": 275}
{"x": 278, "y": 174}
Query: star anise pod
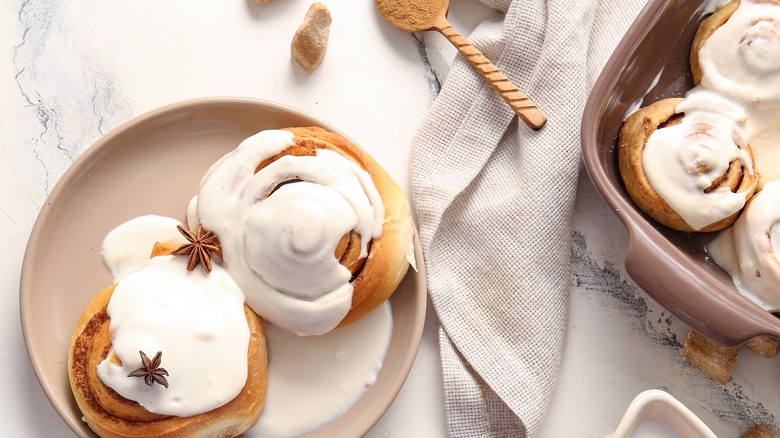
{"x": 151, "y": 371}
{"x": 202, "y": 243}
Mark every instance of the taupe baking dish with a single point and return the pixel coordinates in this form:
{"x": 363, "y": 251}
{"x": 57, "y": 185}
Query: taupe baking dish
{"x": 651, "y": 63}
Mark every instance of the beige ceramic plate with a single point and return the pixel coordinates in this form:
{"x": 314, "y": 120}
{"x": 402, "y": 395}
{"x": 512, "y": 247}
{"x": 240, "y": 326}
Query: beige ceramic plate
{"x": 152, "y": 165}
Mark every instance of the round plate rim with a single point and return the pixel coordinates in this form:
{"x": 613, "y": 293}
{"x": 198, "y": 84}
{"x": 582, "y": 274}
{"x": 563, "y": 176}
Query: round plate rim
{"x": 106, "y": 141}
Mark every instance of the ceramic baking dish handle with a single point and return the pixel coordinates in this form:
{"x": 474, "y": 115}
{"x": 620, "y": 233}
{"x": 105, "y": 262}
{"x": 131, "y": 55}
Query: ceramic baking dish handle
{"x": 723, "y": 317}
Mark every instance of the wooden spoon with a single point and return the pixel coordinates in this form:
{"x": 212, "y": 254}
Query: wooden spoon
{"x": 420, "y": 15}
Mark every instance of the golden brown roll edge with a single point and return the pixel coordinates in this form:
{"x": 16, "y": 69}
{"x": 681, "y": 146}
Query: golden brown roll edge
{"x": 632, "y": 140}
{"x": 230, "y": 419}
{"x": 706, "y": 28}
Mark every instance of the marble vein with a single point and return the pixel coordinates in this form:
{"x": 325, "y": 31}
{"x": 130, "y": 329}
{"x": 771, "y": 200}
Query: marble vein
{"x": 731, "y": 403}
{"x": 34, "y": 19}
{"x": 100, "y": 119}
{"x": 62, "y": 76}
{"x": 431, "y": 76}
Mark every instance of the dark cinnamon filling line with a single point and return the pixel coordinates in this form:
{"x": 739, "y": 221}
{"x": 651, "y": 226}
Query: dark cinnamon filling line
{"x": 346, "y": 252}
{"x": 733, "y": 169}
{"x": 283, "y": 183}
{"x": 80, "y": 357}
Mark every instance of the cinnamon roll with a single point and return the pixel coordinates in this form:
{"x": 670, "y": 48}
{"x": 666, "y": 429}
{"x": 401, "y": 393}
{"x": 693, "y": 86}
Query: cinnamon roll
{"x": 166, "y": 352}
{"x": 313, "y": 230}
{"x": 706, "y": 28}
{"x": 750, "y": 250}
{"x": 736, "y": 51}
{"x": 686, "y": 163}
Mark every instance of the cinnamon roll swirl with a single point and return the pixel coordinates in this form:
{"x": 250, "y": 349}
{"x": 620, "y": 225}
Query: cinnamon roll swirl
{"x": 210, "y": 376}
{"x": 686, "y": 163}
{"x": 313, "y": 230}
{"x": 736, "y": 51}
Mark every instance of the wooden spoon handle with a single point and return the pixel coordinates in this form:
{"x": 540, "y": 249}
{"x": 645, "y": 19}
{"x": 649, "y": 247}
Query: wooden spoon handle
{"x": 520, "y": 103}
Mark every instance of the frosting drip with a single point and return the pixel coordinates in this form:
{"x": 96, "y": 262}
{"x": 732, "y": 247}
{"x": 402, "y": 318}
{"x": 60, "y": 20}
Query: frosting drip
{"x": 313, "y": 380}
{"x": 741, "y": 60}
{"x": 195, "y": 319}
{"x": 127, "y": 247}
{"x": 701, "y": 146}
{"x": 749, "y": 249}
{"x": 280, "y": 226}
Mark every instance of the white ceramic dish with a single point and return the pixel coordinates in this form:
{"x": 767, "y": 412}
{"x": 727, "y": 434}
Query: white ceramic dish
{"x": 667, "y": 416}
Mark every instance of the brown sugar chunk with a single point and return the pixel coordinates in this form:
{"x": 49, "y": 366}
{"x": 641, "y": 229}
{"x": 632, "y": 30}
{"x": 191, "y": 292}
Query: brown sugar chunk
{"x": 761, "y": 431}
{"x": 763, "y": 345}
{"x": 714, "y": 360}
{"x": 311, "y": 39}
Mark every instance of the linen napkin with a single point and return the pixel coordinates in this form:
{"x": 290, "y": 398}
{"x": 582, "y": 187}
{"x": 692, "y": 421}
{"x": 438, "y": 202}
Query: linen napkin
{"x": 494, "y": 201}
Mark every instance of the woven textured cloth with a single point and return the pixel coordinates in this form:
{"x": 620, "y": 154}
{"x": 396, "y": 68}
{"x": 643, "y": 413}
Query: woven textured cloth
{"x": 494, "y": 201}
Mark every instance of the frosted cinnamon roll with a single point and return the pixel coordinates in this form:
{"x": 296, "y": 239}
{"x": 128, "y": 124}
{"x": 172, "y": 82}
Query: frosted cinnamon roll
{"x": 166, "y": 352}
{"x": 706, "y": 28}
{"x": 749, "y": 250}
{"x": 313, "y": 230}
{"x": 686, "y": 163}
{"x": 736, "y": 51}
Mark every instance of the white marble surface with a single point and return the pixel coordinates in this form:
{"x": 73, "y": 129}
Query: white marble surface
{"x": 72, "y": 71}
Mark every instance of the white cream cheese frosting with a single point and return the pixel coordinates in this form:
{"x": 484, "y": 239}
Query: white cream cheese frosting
{"x": 315, "y": 379}
{"x": 749, "y": 250}
{"x": 682, "y": 161}
{"x": 279, "y": 239}
{"x": 128, "y": 246}
{"x": 741, "y": 61}
{"x": 195, "y": 319}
